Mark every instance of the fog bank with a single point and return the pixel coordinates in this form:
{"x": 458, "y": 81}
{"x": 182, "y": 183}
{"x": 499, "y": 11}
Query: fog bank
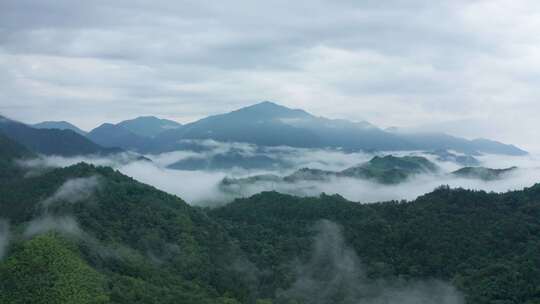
{"x": 201, "y": 187}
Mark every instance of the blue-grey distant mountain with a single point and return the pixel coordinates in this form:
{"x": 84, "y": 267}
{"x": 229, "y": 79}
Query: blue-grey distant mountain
{"x": 109, "y": 135}
{"x": 149, "y": 126}
{"x": 386, "y": 170}
{"x": 269, "y": 124}
{"x": 483, "y": 173}
{"x": 60, "y": 125}
{"x": 51, "y": 141}
{"x": 463, "y": 160}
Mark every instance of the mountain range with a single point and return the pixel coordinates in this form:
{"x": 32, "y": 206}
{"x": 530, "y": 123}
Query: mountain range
{"x": 47, "y": 141}
{"x": 262, "y": 124}
{"x": 59, "y": 125}
{"x": 270, "y": 124}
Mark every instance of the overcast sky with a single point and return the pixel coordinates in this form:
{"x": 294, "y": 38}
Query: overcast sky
{"x": 471, "y": 68}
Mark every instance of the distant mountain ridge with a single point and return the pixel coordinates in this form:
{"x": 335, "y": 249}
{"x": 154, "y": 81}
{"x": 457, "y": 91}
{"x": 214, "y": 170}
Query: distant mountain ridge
{"x": 148, "y": 126}
{"x": 387, "y": 170}
{"x": 269, "y": 124}
{"x": 60, "y": 125}
{"x": 51, "y": 141}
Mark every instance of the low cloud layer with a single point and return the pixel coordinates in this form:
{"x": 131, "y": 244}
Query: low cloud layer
{"x": 201, "y": 187}
{"x": 335, "y": 272}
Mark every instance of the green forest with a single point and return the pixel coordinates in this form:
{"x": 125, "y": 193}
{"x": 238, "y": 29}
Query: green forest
{"x": 127, "y": 242}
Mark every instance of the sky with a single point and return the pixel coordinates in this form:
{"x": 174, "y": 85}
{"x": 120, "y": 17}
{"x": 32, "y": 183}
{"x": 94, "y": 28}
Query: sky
{"x": 469, "y": 68}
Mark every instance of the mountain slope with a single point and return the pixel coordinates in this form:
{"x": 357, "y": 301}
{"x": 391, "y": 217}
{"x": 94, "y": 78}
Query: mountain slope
{"x": 269, "y": 124}
{"x": 482, "y": 173}
{"x": 485, "y": 243}
{"x": 50, "y": 141}
{"x": 94, "y": 232}
{"x": 109, "y": 135}
{"x": 386, "y": 170}
{"x": 148, "y": 126}
{"x": 144, "y": 244}
{"x": 60, "y": 125}
{"x": 261, "y": 124}
{"x": 10, "y": 152}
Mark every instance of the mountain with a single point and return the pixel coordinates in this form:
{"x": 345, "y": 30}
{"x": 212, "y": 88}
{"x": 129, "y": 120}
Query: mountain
{"x": 60, "y": 125}
{"x": 109, "y": 135}
{"x": 10, "y": 151}
{"x": 227, "y": 161}
{"x": 391, "y": 169}
{"x": 482, "y": 173}
{"x": 269, "y": 124}
{"x": 484, "y": 243}
{"x": 51, "y": 141}
{"x": 463, "y": 160}
{"x": 86, "y": 234}
{"x": 386, "y": 170}
{"x": 148, "y": 126}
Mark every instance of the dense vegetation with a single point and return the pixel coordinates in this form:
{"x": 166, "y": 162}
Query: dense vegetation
{"x": 486, "y": 244}
{"x": 147, "y": 246}
{"x": 126, "y": 242}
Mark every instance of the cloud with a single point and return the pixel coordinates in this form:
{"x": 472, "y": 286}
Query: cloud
{"x": 201, "y": 187}
{"x": 335, "y": 272}
{"x": 74, "y": 190}
{"x": 435, "y": 62}
{"x": 62, "y": 224}
{"x": 4, "y": 237}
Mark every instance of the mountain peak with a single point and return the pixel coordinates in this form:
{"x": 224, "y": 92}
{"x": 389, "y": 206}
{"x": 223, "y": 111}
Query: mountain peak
{"x": 270, "y": 109}
{"x": 149, "y": 126}
{"x": 60, "y": 125}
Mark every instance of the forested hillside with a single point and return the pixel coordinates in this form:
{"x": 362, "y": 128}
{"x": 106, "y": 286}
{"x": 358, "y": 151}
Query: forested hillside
{"x": 485, "y": 244}
{"x": 105, "y": 234}
{"x": 86, "y": 234}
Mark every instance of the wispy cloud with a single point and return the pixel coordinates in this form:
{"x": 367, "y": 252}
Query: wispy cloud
{"x": 336, "y": 272}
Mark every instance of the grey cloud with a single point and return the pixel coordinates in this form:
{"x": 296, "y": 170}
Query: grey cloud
{"x": 401, "y": 63}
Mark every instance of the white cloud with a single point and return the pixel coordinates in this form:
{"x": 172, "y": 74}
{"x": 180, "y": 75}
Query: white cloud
{"x": 203, "y": 187}
{"x": 63, "y": 224}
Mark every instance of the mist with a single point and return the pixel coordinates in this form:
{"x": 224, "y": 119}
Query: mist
{"x": 335, "y": 273}
{"x": 71, "y": 191}
{"x": 74, "y": 190}
{"x": 202, "y": 187}
{"x": 62, "y": 224}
